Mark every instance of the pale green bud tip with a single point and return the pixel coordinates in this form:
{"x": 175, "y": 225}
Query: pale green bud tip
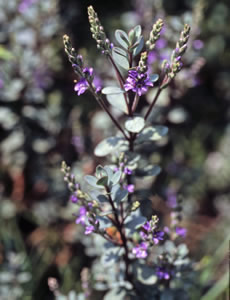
{"x": 135, "y": 205}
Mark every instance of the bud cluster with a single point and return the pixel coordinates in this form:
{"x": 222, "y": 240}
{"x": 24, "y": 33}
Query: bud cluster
{"x": 74, "y": 58}
{"x": 175, "y": 66}
{"x": 69, "y": 178}
{"x": 98, "y": 32}
{"x": 154, "y": 34}
{"x": 142, "y": 66}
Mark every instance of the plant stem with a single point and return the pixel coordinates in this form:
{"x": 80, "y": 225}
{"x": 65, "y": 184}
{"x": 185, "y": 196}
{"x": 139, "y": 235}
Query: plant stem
{"x": 123, "y": 238}
{"x": 103, "y": 106}
{"x": 135, "y": 102}
{"x": 153, "y": 103}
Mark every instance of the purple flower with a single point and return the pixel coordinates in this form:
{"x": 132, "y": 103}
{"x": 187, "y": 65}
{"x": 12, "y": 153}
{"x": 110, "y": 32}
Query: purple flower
{"x": 74, "y": 199}
{"x": 89, "y": 229}
{"x": 129, "y": 188}
{"x": 143, "y": 235}
{"x": 140, "y": 251}
{"x": 88, "y": 71}
{"x": 162, "y": 273}
{"x": 171, "y": 198}
{"x": 198, "y": 44}
{"x": 181, "y": 231}
{"x": 25, "y": 4}
{"x": 98, "y": 83}
{"x": 137, "y": 82}
{"x": 127, "y": 171}
{"x": 82, "y": 216}
{"x": 158, "y": 236}
{"x": 147, "y": 226}
{"x": 81, "y": 86}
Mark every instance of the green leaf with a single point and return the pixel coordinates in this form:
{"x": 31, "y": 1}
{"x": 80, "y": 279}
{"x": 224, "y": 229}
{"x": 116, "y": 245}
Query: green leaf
{"x": 5, "y": 54}
{"x": 139, "y": 47}
{"x": 182, "y": 250}
{"x": 118, "y": 101}
{"x": 137, "y": 31}
{"x": 146, "y": 275}
{"x": 120, "y": 60}
{"x": 109, "y": 172}
{"x": 108, "y": 146}
{"x": 111, "y": 254}
{"x": 122, "y": 38}
{"x": 134, "y": 221}
{"x": 134, "y": 35}
{"x": 104, "y": 222}
{"x": 91, "y": 180}
{"x": 135, "y": 124}
{"x": 112, "y": 90}
{"x": 100, "y": 171}
{"x": 148, "y": 171}
{"x": 103, "y": 181}
{"x": 116, "y": 177}
{"x": 152, "y": 133}
{"x": 154, "y": 77}
{"x": 118, "y": 194}
{"x": 120, "y": 51}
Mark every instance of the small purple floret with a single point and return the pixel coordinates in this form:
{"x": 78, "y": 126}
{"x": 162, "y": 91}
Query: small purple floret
{"x": 158, "y": 236}
{"x": 162, "y": 273}
{"x": 81, "y": 86}
{"x": 181, "y": 231}
{"x": 82, "y": 216}
{"x": 74, "y": 199}
{"x": 130, "y": 188}
{"x": 137, "y": 82}
{"x": 89, "y": 229}
{"x": 140, "y": 251}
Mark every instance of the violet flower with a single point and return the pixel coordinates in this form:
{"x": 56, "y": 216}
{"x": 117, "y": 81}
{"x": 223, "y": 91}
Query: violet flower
{"x": 158, "y": 236}
{"x": 74, "y": 199}
{"x": 81, "y": 86}
{"x": 162, "y": 273}
{"x": 89, "y": 229}
{"x": 137, "y": 82}
{"x": 130, "y": 188}
{"x": 140, "y": 251}
{"x": 181, "y": 231}
{"x": 127, "y": 171}
{"x": 82, "y": 216}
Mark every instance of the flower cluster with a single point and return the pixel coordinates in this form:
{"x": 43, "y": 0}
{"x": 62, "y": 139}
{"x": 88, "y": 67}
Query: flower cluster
{"x": 150, "y": 236}
{"x": 137, "y": 82}
{"x": 150, "y": 233}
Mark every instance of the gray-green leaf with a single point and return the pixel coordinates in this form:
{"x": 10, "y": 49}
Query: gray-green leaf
{"x": 91, "y": 180}
{"x": 139, "y": 46}
{"x": 108, "y": 146}
{"x": 122, "y": 38}
{"x": 146, "y": 275}
{"x": 152, "y": 133}
{"x": 112, "y": 90}
{"x": 121, "y": 60}
{"x": 148, "y": 171}
{"x": 118, "y": 101}
{"x": 135, "y": 124}
{"x": 154, "y": 77}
